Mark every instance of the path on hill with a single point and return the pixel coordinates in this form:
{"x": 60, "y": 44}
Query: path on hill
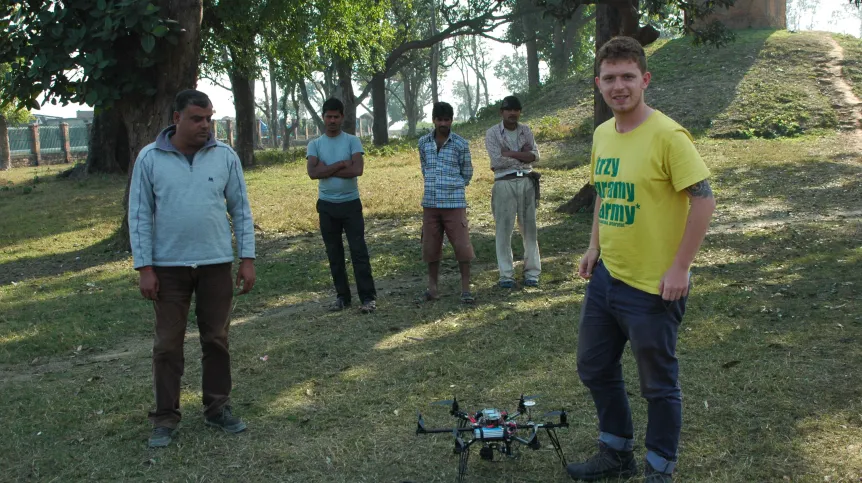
{"x": 847, "y": 104}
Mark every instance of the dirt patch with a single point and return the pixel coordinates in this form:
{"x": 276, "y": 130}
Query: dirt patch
{"x": 844, "y": 100}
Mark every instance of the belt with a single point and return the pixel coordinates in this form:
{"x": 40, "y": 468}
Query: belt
{"x": 511, "y": 176}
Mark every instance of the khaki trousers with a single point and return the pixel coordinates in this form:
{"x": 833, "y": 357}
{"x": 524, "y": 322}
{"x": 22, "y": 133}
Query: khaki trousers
{"x": 511, "y": 199}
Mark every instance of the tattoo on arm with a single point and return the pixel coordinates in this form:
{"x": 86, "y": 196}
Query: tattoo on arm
{"x": 700, "y": 189}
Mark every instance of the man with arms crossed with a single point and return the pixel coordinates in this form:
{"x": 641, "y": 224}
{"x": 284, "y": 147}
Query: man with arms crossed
{"x": 653, "y": 208}
{"x": 513, "y": 152}
{"x": 335, "y": 159}
{"x": 447, "y": 169}
{"x": 183, "y": 186}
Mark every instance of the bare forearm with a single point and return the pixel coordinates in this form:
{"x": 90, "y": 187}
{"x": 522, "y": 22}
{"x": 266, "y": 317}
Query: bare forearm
{"x": 326, "y": 170}
{"x": 594, "y": 234}
{"x": 352, "y": 169}
{"x": 520, "y": 156}
{"x": 696, "y": 226}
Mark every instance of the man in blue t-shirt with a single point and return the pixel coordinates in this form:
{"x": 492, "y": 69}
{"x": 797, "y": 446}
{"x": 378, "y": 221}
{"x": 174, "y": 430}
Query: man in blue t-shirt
{"x": 335, "y": 159}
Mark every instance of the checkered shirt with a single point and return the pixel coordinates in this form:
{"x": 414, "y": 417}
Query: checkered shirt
{"x": 447, "y": 171}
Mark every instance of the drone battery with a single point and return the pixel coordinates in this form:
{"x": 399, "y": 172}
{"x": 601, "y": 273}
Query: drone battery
{"x": 489, "y": 434}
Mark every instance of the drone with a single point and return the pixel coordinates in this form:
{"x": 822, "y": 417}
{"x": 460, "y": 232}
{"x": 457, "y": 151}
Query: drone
{"x": 497, "y": 431}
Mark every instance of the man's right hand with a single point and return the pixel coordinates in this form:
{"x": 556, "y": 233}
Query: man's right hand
{"x": 149, "y": 283}
{"x": 588, "y": 262}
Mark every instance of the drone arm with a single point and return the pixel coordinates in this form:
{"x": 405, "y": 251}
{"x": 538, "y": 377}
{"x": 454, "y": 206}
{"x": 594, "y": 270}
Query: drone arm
{"x": 441, "y": 430}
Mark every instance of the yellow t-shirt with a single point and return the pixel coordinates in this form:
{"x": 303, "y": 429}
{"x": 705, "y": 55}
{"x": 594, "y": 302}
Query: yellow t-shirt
{"x": 640, "y": 176}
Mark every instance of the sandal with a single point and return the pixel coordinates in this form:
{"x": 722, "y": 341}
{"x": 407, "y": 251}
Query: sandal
{"x": 427, "y": 297}
{"x": 467, "y": 298}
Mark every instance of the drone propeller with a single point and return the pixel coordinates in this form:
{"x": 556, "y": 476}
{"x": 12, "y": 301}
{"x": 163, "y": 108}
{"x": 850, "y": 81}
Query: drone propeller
{"x": 561, "y": 413}
{"x": 444, "y": 402}
{"x": 531, "y": 396}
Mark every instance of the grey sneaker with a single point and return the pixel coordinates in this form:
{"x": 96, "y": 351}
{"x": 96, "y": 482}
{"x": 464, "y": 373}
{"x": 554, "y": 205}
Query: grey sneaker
{"x": 531, "y": 282}
{"x": 226, "y": 421}
{"x": 161, "y": 436}
{"x": 607, "y": 463}
{"x": 339, "y": 305}
{"x": 368, "y": 307}
{"x": 652, "y": 475}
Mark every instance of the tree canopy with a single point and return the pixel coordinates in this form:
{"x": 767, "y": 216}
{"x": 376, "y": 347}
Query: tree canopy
{"x": 85, "y": 51}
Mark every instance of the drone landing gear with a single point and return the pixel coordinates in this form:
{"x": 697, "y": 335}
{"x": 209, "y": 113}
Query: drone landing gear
{"x": 463, "y": 456}
{"x": 552, "y": 435}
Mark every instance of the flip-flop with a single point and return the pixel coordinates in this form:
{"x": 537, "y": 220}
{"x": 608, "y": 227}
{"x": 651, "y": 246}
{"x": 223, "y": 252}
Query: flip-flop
{"x": 467, "y": 298}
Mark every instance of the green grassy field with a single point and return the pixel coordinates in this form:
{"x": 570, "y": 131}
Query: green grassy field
{"x": 770, "y": 349}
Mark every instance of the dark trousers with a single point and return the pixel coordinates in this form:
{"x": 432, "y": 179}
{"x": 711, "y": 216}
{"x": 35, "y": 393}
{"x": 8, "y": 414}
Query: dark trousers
{"x": 612, "y": 314}
{"x": 338, "y": 218}
{"x": 213, "y": 290}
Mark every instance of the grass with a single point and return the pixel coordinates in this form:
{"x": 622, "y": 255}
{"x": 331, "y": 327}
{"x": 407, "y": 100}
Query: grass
{"x": 770, "y": 348}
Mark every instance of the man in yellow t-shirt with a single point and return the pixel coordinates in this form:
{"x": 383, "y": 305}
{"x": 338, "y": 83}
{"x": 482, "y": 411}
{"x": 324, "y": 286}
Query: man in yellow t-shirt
{"x": 653, "y": 208}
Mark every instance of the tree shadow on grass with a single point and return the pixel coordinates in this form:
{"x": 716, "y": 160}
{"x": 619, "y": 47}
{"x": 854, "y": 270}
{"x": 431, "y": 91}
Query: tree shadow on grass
{"x": 695, "y": 99}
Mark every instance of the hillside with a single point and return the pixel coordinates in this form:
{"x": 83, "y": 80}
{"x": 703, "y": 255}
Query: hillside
{"x": 766, "y": 84}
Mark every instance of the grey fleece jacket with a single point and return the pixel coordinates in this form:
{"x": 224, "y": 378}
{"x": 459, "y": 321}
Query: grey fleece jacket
{"x": 178, "y": 210}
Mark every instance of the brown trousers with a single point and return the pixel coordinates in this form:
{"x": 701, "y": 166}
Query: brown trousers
{"x": 213, "y": 289}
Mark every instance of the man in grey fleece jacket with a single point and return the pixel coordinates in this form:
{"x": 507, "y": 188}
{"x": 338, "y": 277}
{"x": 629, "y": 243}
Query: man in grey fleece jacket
{"x": 183, "y": 187}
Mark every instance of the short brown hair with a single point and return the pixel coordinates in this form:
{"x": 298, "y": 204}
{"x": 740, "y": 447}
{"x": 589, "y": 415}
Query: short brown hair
{"x": 622, "y": 48}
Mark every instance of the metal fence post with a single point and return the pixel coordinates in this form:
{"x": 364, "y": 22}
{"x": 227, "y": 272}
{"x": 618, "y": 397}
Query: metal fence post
{"x": 37, "y": 150}
{"x": 230, "y": 132}
{"x": 64, "y": 137}
{"x": 215, "y": 130}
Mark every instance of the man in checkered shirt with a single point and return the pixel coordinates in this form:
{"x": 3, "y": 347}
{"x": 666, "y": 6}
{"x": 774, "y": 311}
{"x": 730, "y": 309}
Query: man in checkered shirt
{"x": 447, "y": 170}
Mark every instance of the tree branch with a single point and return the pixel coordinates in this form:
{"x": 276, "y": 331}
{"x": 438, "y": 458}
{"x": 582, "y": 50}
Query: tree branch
{"x": 487, "y": 22}
{"x": 216, "y": 82}
{"x": 308, "y": 107}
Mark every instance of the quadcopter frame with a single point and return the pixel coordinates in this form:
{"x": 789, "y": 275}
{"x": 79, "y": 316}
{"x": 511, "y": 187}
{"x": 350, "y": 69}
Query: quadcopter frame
{"x": 501, "y": 435}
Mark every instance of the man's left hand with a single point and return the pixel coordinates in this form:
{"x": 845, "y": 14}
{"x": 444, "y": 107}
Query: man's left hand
{"x": 245, "y": 276}
{"x": 674, "y": 284}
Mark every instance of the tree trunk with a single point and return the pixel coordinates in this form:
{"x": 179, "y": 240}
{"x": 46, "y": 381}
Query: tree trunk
{"x": 307, "y": 103}
{"x": 267, "y": 112}
{"x": 5, "y": 151}
{"x": 410, "y": 108}
{"x": 273, "y": 118}
{"x": 559, "y": 61}
{"x": 378, "y": 108}
{"x": 144, "y": 116}
{"x": 345, "y": 85}
{"x": 533, "y": 75}
{"x": 435, "y": 56}
{"x": 108, "y": 144}
{"x": 243, "y": 95}
{"x": 607, "y": 26}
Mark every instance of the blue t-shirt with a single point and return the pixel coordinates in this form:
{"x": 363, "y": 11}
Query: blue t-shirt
{"x": 330, "y": 150}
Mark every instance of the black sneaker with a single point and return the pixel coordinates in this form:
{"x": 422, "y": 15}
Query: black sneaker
{"x": 607, "y": 463}
{"x": 226, "y": 421}
{"x": 652, "y": 475}
{"x": 339, "y": 305}
{"x": 368, "y": 307}
{"x": 161, "y": 436}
